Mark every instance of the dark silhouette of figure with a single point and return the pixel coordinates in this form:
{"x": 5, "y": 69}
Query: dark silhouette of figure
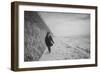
{"x": 49, "y": 41}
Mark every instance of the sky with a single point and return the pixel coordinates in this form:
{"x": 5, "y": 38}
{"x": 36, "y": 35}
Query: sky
{"x": 67, "y": 24}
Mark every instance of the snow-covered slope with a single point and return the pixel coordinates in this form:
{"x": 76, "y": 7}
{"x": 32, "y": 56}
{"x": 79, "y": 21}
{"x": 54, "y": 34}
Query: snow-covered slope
{"x": 68, "y": 48}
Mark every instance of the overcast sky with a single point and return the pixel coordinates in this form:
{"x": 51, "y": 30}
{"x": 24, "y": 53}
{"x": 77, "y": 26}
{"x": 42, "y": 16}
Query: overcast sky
{"x": 67, "y": 24}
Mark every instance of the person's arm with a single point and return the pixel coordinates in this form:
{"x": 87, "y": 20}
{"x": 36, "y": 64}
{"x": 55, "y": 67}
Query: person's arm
{"x": 52, "y": 40}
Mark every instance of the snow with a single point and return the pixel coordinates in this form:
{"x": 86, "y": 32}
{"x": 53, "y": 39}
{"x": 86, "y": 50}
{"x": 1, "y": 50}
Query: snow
{"x": 66, "y": 48}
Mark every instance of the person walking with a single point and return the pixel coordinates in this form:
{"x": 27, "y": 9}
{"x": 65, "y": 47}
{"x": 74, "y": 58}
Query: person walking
{"x": 49, "y": 41}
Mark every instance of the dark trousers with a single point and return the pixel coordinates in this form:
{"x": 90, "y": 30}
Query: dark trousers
{"x": 49, "y": 49}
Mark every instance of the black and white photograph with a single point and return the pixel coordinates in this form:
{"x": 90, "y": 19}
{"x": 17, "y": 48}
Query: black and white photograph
{"x": 53, "y": 36}
{"x": 56, "y": 36}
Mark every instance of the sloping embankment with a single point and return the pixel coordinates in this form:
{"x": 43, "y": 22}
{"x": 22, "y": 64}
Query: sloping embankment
{"x": 34, "y": 36}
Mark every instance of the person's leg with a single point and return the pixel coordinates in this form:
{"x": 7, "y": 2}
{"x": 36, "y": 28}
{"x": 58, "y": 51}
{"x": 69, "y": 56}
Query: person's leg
{"x": 49, "y": 49}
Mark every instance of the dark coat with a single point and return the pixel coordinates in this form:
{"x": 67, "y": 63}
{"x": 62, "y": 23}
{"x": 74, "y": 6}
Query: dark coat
{"x": 48, "y": 40}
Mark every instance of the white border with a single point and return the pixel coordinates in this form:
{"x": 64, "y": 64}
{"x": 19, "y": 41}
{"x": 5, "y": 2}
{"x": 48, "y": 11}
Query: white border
{"x": 23, "y": 64}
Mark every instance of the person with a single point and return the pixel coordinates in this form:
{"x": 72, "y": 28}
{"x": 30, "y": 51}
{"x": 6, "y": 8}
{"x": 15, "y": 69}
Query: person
{"x": 49, "y": 41}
